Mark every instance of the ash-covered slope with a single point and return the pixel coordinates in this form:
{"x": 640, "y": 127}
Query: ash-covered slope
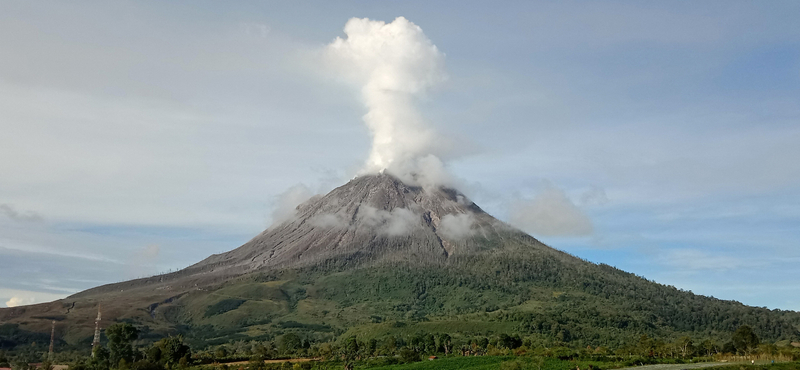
{"x": 370, "y": 220}
{"x": 374, "y": 218}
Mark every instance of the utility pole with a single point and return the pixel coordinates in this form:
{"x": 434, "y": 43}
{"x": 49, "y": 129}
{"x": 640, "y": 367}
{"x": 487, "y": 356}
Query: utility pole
{"x": 52, "y": 338}
{"x": 96, "y": 340}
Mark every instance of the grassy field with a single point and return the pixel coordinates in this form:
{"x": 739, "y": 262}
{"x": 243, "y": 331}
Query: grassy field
{"x": 528, "y": 363}
{"x": 496, "y": 362}
{"x": 455, "y": 363}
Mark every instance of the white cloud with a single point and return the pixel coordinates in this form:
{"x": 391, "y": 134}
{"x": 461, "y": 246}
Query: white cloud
{"x": 698, "y": 260}
{"x": 328, "y": 221}
{"x": 18, "y": 301}
{"x": 455, "y": 227}
{"x": 286, "y": 203}
{"x": 397, "y": 222}
{"x": 594, "y": 196}
{"x": 143, "y": 261}
{"x": 149, "y": 252}
{"x": 550, "y": 213}
{"x": 15, "y": 297}
{"x": 401, "y": 222}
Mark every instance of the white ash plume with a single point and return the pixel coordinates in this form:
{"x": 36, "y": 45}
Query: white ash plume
{"x": 394, "y": 64}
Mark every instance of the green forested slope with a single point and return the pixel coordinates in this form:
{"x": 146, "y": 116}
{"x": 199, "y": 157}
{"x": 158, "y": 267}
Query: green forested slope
{"x": 542, "y": 295}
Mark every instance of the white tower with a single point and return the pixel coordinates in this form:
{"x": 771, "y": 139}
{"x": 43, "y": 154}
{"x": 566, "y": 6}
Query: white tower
{"x": 96, "y": 340}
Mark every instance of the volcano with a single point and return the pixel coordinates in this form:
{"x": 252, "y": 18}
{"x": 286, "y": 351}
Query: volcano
{"x": 372, "y": 220}
{"x": 379, "y": 257}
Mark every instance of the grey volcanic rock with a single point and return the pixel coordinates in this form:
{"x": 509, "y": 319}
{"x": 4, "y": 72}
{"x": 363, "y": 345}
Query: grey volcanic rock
{"x": 370, "y": 220}
{"x": 374, "y": 218}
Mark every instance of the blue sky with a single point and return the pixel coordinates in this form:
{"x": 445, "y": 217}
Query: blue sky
{"x": 139, "y": 137}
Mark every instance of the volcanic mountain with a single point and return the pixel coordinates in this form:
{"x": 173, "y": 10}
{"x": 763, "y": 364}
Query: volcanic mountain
{"x": 379, "y": 257}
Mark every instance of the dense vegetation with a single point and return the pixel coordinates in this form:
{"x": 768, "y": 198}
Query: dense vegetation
{"x": 536, "y": 296}
{"x": 448, "y": 352}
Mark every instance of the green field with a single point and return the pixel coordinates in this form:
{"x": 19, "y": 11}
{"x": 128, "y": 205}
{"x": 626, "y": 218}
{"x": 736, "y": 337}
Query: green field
{"x": 496, "y": 362}
{"x": 528, "y": 363}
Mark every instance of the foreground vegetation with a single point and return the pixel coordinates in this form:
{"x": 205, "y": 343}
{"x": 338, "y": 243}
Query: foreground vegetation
{"x": 422, "y": 351}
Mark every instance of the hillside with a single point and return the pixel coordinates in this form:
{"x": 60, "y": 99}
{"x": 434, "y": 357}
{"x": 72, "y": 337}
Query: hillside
{"x": 376, "y": 257}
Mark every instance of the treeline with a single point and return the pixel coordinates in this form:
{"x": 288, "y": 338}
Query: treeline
{"x": 352, "y": 352}
{"x": 120, "y": 352}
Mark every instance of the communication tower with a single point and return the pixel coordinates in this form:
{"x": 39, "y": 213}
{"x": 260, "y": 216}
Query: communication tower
{"x": 96, "y": 340}
{"x": 52, "y": 338}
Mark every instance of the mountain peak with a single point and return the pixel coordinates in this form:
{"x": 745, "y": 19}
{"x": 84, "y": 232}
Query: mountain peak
{"x": 370, "y": 219}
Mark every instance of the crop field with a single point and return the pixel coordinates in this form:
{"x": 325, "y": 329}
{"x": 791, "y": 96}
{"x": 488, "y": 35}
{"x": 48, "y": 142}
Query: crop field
{"x": 528, "y": 363}
{"x": 497, "y": 362}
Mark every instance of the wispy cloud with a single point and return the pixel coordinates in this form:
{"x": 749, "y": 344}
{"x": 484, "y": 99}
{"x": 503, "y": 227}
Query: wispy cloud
{"x": 15, "y": 297}
{"x": 695, "y": 260}
{"x": 397, "y": 222}
{"x": 455, "y": 227}
{"x": 286, "y": 203}
{"x": 12, "y": 213}
{"x": 550, "y": 213}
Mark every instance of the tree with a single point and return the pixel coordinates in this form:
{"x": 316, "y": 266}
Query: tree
{"x": 744, "y": 340}
{"x": 538, "y": 361}
{"x": 120, "y": 342}
{"x": 100, "y": 360}
{"x": 221, "y": 353}
{"x": 3, "y": 359}
{"x": 350, "y": 349}
{"x": 143, "y": 365}
{"x": 325, "y": 351}
{"x": 20, "y": 365}
{"x": 445, "y": 341}
{"x": 685, "y": 345}
{"x": 409, "y": 355}
{"x": 728, "y": 347}
{"x": 172, "y": 350}
{"x": 153, "y": 354}
{"x": 289, "y": 342}
{"x": 389, "y": 346}
{"x": 349, "y": 352}
{"x": 708, "y": 347}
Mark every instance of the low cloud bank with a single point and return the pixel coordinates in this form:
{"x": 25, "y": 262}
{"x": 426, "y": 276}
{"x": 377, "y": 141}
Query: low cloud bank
{"x": 328, "y": 221}
{"x": 550, "y": 213}
{"x": 20, "y": 301}
{"x": 456, "y": 227}
{"x": 397, "y": 222}
{"x": 286, "y": 203}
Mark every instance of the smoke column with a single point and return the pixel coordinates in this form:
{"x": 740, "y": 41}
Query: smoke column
{"x": 394, "y": 64}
